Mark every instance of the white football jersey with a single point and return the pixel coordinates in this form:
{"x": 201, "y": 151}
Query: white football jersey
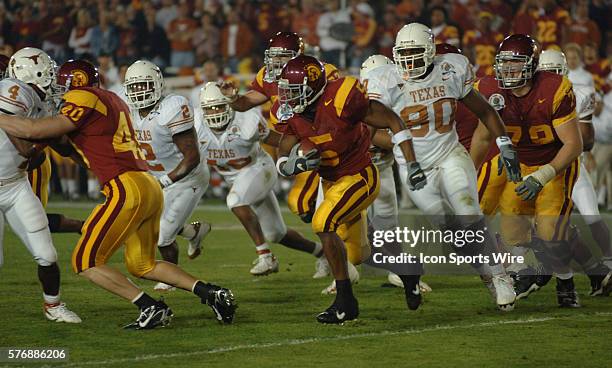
{"x": 154, "y": 133}
{"x": 585, "y": 100}
{"x": 17, "y": 98}
{"x": 427, "y": 105}
{"x": 237, "y": 146}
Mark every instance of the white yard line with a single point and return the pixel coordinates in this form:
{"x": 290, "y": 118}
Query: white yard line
{"x": 294, "y": 342}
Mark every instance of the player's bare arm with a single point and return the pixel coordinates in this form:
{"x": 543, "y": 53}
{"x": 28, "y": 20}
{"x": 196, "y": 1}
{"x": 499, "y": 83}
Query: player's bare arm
{"x": 569, "y": 135}
{"x": 382, "y": 139}
{"x": 35, "y": 129}
{"x": 587, "y": 132}
{"x": 242, "y": 102}
{"x": 481, "y": 141}
{"x": 273, "y": 139}
{"x": 187, "y": 143}
{"x": 380, "y": 116}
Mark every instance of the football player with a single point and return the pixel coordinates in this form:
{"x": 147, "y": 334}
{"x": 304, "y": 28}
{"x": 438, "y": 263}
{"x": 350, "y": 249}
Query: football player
{"x": 25, "y": 94}
{"x": 230, "y": 143}
{"x": 383, "y": 213}
{"x": 99, "y": 127}
{"x": 539, "y": 111}
{"x": 329, "y": 115}
{"x": 281, "y": 47}
{"x": 425, "y": 93}
{"x": 165, "y": 131}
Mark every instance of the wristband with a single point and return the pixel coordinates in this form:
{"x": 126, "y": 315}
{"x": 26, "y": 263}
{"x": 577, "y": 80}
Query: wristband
{"x": 401, "y": 136}
{"x": 544, "y": 174}
{"x": 165, "y": 181}
{"x": 280, "y": 161}
{"x": 503, "y": 140}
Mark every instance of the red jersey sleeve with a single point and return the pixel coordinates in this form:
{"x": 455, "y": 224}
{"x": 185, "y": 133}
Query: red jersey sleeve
{"x": 351, "y": 102}
{"x": 564, "y": 104}
{"x": 258, "y": 84}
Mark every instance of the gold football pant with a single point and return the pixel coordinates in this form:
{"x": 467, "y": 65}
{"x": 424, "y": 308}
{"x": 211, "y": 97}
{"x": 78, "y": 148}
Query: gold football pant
{"x": 549, "y": 212}
{"x": 130, "y": 215}
{"x": 490, "y": 186}
{"x": 302, "y": 197}
{"x": 343, "y": 209}
{"x": 39, "y": 180}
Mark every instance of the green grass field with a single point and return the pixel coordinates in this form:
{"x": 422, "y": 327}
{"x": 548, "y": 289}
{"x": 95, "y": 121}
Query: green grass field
{"x": 275, "y": 326}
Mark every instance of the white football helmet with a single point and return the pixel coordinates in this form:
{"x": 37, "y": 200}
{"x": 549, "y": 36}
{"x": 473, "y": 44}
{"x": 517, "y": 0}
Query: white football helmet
{"x": 553, "y": 61}
{"x": 414, "y": 50}
{"x": 373, "y": 62}
{"x": 143, "y": 84}
{"x": 33, "y": 66}
{"x": 211, "y": 98}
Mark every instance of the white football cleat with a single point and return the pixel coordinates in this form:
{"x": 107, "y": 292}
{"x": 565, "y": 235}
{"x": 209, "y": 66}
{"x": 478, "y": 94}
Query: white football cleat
{"x": 397, "y": 282}
{"x": 506, "y": 296}
{"x": 60, "y": 313}
{"x": 163, "y": 288}
{"x": 265, "y": 265}
{"x": 195, "y": 244}
{"x": 353, "y": 276}
{"x": 322, "y": 268}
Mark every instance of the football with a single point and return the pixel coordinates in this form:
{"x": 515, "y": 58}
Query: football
{"x": 306, "y": 146}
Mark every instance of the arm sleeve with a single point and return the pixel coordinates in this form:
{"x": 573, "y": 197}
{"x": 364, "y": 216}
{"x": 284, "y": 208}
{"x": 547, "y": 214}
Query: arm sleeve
{"x": 79, "y": 105}
{"x": 180, "y": 115}
{"x": 351, "y": 102}
{"x": 564, "y": 104}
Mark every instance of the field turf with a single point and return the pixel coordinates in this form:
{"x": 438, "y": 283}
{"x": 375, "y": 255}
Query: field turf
{"x": 275, "y": 327}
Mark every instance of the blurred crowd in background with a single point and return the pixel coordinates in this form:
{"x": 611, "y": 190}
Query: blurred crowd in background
{"x": 210, "y": 40}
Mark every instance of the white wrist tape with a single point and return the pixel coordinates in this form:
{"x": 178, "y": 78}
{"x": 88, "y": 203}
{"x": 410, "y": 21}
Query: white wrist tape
{"x": 280, "y": 161}
{"x": 165, "y": 181}
{"x": 503, "y": 140}
{"x": 401, "y": 136}
{"x": 544, "y": 174}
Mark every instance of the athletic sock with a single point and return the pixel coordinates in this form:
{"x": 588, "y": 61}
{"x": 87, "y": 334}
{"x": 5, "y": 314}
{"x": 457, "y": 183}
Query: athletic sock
{"x": 263, "y": 250}
{"x": 318, "y": 250}
{"x": 188, "y": 231}
{"x": 51, "y": 299}
{"x": 344, "y": 292}
{"x": 143, "y": 301}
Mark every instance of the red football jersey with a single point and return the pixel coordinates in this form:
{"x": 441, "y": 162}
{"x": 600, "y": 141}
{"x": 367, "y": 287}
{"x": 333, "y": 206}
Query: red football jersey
{"x": 531, "y": 120}
{"x": 104, "y": 137}
{"x": 549, "y": 27}
{"x": 336, "y": 128}
{"x": 485, "y": 46}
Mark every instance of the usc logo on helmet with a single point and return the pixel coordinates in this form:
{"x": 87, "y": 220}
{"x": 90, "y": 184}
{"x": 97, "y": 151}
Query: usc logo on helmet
{"x": 79, "y": 78}
{"x": 313, "y": 71}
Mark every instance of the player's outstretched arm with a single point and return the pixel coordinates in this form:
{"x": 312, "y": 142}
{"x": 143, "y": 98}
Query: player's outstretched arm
{"x": 36, "y": 129}
{"x": 381, "y": 117}
{"x": 242, "y": 102}
{"x": 481, "y": 141}
{"x": 381, "y": 138}
{"x": 187, "y": 143}
{"x": 493, "y": 122}
{"x": 273, "y": 139}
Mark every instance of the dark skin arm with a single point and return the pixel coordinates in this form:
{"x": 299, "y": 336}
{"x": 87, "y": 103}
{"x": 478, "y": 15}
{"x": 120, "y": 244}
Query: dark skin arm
{"x": 587, "y": 132}
{"x": 273, "y": 139}
{"x": 481, "y": 141}
{"x": 485, "y": 112}
{"x": 381, "y": 117}
{"x": 382, "y": 139}
{"x": 242, "y": 102}
{"x": 286, "y": 143}
{"x": 187, "y": 143}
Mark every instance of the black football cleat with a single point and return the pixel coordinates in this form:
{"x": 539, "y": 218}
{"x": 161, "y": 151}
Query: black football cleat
{"x": 412, "y": 291}
{"x": 222, "y": 302}
{"x": 566, "y": 294}
{"x": 601, "y": 283}
{"x": 525, "y": 282}
{"x": 337, "y": 315}
{"x": 156, "y": 315}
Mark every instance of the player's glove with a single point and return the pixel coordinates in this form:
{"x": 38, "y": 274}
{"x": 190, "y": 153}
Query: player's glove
{"x": 296, "y": 163}
{"x": 508, "y": 159}
{"x": 416, "y": 177}
{"x": 533, "y": 183}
